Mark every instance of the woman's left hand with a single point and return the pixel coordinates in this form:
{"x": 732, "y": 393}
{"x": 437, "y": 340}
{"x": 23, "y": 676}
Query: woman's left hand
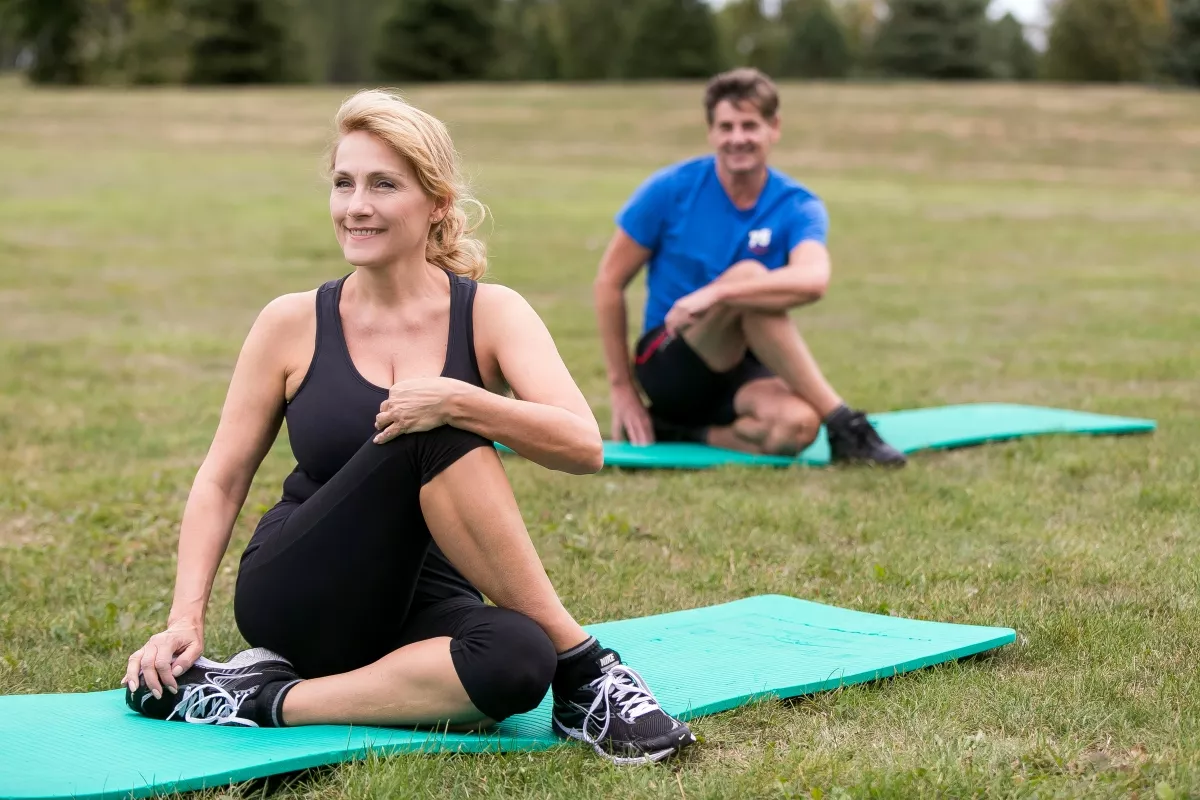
{"x": 415, "y": 405}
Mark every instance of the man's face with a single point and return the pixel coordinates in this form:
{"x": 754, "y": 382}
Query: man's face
{"x": 741, "y": 137}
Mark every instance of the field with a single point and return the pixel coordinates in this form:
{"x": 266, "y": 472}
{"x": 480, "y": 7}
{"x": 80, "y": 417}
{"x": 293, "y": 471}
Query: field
{"x": 1030, "y": 245}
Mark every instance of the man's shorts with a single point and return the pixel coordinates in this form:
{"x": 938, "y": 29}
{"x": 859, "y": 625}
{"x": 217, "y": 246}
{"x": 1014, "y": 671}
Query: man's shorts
{"x": 682, "y": 389}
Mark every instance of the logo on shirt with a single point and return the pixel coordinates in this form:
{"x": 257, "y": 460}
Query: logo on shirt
{"x": 760, "y": 241}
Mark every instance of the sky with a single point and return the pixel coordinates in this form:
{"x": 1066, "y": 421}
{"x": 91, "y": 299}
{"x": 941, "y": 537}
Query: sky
{"x": 1028, "y": 11}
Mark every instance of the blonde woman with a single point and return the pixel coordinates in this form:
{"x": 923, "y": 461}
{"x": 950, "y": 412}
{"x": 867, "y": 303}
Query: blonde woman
{"x": 360, "y": 591}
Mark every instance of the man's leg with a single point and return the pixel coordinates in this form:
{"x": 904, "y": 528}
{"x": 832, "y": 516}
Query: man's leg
{"x": 721, "y": 340}
{"x": 770, "y": 420}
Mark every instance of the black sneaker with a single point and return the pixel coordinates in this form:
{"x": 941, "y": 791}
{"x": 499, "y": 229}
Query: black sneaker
{"x": 852, "y": 439}
{"x": 616, "y": 714}
{"x": 247, "y": 690}
{"x": 674, "y": 432}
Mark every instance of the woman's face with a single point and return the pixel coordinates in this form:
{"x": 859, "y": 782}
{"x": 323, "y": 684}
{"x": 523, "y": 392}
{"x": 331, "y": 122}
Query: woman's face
{"x": 380, "y": 213}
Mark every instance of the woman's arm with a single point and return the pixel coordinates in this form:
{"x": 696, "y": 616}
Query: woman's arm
{"x": 548, "y": 420}
{"x": 250, "y": 421}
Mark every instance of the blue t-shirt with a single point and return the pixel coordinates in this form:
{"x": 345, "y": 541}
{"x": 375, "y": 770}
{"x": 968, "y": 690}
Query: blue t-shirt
{"x": 694, "y": 232}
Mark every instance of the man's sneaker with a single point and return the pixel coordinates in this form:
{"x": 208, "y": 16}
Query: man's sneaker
{"x": 853, "y": 439}
{"x": 665, "y": 431}
{"x": 247, "y": 690}
{"x": 616, "y": 714}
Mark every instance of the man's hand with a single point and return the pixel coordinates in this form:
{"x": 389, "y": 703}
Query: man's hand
{"x": 688, "y": 309}
{"x": 629, "y": 417}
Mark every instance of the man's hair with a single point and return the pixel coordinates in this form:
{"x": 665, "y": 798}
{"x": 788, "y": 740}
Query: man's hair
{"x": 744, "y": 84}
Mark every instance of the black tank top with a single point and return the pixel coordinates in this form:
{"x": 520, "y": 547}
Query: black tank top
{"x": 332, "y": 414}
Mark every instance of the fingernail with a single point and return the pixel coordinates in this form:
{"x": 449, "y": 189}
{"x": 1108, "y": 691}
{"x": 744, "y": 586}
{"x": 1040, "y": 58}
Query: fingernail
{"x": 157, "y": 694}
{"x": 173, "y": 689}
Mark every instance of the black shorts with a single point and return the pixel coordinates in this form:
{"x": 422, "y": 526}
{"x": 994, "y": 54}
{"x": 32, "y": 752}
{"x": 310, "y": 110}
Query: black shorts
{"x": 682, "y": 389}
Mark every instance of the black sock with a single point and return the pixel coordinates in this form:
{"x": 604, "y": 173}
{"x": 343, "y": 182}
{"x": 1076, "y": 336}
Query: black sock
{"x": 269, "y": 703}
{"x": 839, "y": 416}
{"x": 570, "y": 654}
{"x": 575, "y": 664}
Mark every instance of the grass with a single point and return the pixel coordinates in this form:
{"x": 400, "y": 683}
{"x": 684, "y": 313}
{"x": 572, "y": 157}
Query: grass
{"x": 1034, "y": 245}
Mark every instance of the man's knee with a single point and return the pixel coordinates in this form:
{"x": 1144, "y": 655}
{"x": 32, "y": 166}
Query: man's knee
{"x": 793, "y": 428}
{"x": 747, "y": 268}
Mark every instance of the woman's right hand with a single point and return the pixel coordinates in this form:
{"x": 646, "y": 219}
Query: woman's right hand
{"x": 165, "y": 657}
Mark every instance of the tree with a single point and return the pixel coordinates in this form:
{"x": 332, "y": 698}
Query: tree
{"x": 934, "y": 39}
{"x": 816, "y": 45}
{"x": 1184, "y": 49}
{"x": 524, "y": 47}
{"x": 860, "y": 22}
{"x": 437, "y": 40}
{"x": 150, "y": 48}
{"x": 10, "y": 45}
{"x": 591, "y": 37}
{"x": 238, "y": 41}
{"x": 673, "y": 39}
{"x": 1105, "y": 40}
{"x": 1011, "y": 55}
{"x": 348, "y": 33}
{"x": 54, "y": 31}
{"x": 748, "y": 39}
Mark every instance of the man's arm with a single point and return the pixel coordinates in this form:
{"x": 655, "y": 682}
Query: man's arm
{"x": 622, "y": 260}
{"x": 803, "y": 280}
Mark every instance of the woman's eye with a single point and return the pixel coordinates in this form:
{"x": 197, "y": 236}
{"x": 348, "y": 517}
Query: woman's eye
{"x": 341, "y": 183}
{"x": 386, "y": 185}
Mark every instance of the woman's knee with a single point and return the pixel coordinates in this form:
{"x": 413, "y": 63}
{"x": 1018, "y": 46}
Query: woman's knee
{"x": 438, "y": 448}
{"x": 506, "y": 664}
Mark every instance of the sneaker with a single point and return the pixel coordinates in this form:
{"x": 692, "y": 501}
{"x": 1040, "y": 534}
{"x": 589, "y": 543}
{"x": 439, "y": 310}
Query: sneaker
{"x": 616, "y": 714}
{"x": 665, "y": 431}
{"x": 247, "y": 690}
{"x": 853, "y": 439}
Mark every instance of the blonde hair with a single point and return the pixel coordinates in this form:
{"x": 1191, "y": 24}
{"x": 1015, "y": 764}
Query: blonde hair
{"x": 423, "y": 141}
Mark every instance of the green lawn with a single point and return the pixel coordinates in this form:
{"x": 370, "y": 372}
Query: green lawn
{"x": 991, "y": 243}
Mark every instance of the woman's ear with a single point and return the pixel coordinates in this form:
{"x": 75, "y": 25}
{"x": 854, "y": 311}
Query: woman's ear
{"x": 439, "y": 212}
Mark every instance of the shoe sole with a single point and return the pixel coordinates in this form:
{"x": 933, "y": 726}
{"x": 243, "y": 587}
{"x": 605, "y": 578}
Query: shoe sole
{"x": 645, "y": 758}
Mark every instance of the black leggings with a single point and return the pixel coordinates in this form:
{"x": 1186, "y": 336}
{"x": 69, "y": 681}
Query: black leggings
{"x": 340, "y": 580}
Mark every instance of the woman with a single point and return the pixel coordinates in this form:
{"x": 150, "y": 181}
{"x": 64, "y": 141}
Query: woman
{"x": 358, "y": 589}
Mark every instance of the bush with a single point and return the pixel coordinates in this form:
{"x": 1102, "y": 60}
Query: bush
{"x": 1105, "y": 40}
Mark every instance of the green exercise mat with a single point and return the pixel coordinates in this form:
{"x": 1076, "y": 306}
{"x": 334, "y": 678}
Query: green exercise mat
{"x": 909, "y": 431}
{"x": 697, "y": 662}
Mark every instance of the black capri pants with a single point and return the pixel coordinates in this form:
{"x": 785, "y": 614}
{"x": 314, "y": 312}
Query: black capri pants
{"x": 338, "y": 581}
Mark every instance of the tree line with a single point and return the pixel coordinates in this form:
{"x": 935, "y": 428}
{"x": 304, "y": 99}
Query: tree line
{"x": 357, "y": 41}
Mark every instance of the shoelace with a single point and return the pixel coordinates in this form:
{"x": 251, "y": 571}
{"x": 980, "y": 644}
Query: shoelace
{"x": 626, "y": 689}
{"x": 861, "y": 431}
{"x": 209, "y": 704}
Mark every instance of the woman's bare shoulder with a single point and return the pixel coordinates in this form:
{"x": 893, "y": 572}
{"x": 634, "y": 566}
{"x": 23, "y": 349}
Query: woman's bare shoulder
{"x": 289, "y": 311}
{"x": 497, "y": 301}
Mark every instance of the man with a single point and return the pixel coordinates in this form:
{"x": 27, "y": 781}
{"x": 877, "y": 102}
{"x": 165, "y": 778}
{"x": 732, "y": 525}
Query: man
{"x": 732, "y": 245}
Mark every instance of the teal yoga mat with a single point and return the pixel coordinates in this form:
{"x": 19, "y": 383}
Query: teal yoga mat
{"x": 699, "y": 661}
{"x": 909, "y": 431}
